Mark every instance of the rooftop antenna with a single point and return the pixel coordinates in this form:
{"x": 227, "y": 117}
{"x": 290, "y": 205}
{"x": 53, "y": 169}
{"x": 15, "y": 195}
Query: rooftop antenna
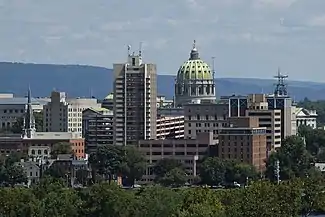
{"x": 140, "y": 49}
{"x": 129, "y": 50}
{"x": 91, "y": 93}
{"x": 213, "y": 66}
{"x": 281, "y": 86}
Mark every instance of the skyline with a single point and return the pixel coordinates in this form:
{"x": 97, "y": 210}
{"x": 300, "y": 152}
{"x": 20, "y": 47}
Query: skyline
{"x": 247, "y": 37}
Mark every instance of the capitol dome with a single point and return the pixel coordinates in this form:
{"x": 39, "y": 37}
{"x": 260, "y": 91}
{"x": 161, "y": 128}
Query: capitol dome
{"x": 194, "y": 81}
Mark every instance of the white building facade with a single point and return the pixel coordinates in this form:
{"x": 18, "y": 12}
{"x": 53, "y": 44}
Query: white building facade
{"x": 306, "y": 117}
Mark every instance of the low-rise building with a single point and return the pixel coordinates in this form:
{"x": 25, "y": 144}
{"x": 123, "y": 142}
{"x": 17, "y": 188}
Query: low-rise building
{"x": 306, "y": 117}
{"x": 13, "y": 108}
{"x": 188, "y": 151}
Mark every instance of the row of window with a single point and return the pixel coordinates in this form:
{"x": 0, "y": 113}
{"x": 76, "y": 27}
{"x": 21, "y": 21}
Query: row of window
{"x": 13, "y": 111}
{"x": 173, "y": 145}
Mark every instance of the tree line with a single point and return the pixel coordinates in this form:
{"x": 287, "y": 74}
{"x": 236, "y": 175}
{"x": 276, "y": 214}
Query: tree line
{"x": 262, "y": 198}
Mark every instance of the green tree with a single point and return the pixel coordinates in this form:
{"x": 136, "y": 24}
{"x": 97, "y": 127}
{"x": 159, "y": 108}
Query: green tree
{"x": 295, "y": 160}
{"x": 133, "y": 165}
{"x": 61, "y": 148}
{"x": 62, "y": 202}
{"x": 107, "y": 161}
{"x": 57, "y": 171}
{"x": 47, "y": 185}
{"x": 18, "y": 126}
{"x": 163, "y": 166}
{"x": 264, "y": 199}
{"x": 313, "y": 196}
{"x": 82, "y": 176}
{"x": 157, "y": 201}
{"x": 11, "y": 173}
{"x": 212, "y": 171}
{"x": 175, "y": 177}
{"x": 199, "y": 202}
{"x": 239, "y": 172}
{"x": 108, "y": 200}
{"x": 38, "y": 121}
{"x": 18, "y": 202}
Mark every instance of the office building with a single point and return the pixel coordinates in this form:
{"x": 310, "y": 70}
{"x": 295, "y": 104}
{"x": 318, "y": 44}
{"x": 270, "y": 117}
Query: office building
{"x": 62, "y": 114}
{"x": 204, "y": 117}
{"x": 135, "y": 100}
{"x": 279, "y": 100}
{"x": 13, "y": 108}
{"x": 243, "y": 140}
{"x": 271, "y": 119}
{"x": 97, "y": 127}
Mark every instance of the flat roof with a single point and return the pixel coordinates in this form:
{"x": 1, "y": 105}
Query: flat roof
{"x": 23, "y": 101}
{"x": 54, "y": 135}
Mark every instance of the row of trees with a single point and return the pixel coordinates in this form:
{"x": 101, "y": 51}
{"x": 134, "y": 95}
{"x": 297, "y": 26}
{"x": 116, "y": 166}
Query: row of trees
{"x": 52, "y": 198}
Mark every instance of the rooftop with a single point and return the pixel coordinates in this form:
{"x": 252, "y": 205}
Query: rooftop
{"x": 23, "y": 100}
{"x": 54, "y": 135}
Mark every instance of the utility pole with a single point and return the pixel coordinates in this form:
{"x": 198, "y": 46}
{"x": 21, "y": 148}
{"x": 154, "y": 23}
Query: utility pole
{"x": 277, "y": 171}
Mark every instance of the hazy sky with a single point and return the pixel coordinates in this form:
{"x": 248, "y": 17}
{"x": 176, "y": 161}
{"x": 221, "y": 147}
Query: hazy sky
{"x": 249, "y": 38}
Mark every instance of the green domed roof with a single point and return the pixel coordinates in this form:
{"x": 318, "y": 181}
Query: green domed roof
{"x": 194, "y": 68}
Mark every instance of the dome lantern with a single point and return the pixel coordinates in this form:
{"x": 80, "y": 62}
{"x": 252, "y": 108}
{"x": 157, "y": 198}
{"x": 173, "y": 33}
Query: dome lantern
{"x": 194, "y": 52}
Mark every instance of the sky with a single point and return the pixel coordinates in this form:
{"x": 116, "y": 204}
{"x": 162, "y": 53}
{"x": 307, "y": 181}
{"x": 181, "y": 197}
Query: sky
{"x": 248, "y": 38}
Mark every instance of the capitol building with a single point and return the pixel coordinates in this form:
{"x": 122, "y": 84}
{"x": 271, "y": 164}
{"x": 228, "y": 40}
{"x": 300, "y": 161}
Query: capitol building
{"x": 194, "y": 81}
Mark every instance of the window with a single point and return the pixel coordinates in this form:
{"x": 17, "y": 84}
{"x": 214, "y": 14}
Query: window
{"x": 133, "y": 61}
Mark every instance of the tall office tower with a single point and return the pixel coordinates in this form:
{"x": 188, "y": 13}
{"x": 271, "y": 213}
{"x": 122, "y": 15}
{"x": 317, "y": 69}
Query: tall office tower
{"x": 279, "y": 100}
{"x": 135, "y": 100}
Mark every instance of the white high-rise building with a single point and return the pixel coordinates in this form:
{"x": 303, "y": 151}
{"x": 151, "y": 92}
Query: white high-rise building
{"x": 65, "y": 115}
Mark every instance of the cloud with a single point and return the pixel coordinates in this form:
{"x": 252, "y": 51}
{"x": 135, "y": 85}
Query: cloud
{"x": 273, "y": 3}
{"x": 318, "y": 21}
{"x": 246, "y": 35}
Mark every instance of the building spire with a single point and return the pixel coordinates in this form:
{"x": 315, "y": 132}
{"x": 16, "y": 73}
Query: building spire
{"x": 29, "y": 120}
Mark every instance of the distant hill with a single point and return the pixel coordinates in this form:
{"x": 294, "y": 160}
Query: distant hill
{"x": 78, "y": 80}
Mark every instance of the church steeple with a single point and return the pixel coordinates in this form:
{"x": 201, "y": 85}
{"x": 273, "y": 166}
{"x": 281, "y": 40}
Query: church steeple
{"x": 29, "y": 120}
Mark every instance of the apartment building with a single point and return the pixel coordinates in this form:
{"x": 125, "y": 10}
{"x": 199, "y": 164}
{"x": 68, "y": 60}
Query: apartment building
{"x": 135, "y": 100}
{"x": 62, "y": 114}
{"x": 170, "y": 127}
{"x": 97, "y": 127}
